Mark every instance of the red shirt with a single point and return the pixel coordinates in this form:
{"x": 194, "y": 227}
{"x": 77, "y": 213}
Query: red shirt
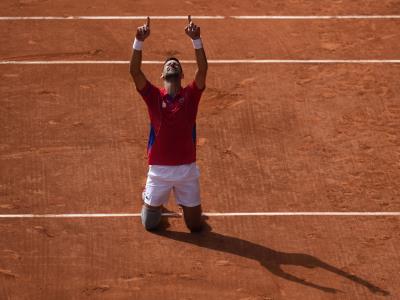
{"x": 172, "y": 138}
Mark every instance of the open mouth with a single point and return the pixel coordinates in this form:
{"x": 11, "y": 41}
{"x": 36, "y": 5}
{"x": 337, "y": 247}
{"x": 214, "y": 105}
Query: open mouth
{"x": 171, "y": 77}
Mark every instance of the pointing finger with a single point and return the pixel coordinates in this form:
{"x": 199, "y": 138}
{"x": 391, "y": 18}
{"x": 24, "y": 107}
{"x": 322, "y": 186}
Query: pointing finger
{"x": 148, "y": 22}
{"x": 189, "y": 19}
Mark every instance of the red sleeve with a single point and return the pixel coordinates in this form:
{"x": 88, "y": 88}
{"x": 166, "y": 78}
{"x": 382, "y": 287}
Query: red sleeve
{"x": 150, "y": 93}
{"x": 195, "y": 92}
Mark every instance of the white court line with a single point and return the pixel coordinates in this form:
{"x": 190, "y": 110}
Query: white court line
{"x": 316, "y": 17}
{"x": 5, "y": 18}
{"x": 211, "y": 61}
{"x": 264, "y": 17}
{"x": 210, "y": 214}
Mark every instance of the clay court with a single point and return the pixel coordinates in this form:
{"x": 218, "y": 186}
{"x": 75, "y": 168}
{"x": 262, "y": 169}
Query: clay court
{"x": 298, "y": 144}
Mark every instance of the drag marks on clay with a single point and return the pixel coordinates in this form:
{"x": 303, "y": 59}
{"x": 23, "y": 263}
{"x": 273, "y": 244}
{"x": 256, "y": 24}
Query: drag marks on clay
{"x": 281, "y": 40}
{"x": 10, "y": 254}
{"x": 291, "y": 134}
{"x": 322, "y": 134}
{"x": 220, "y": 99}
{"x": 7, "y": 273}
{"x": 361, "y": 137}
{"x": 58, "y": 55}
{"x": 95, "y": 290}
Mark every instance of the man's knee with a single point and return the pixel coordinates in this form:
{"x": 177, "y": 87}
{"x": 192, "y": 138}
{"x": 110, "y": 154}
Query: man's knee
{"x": 194, "y": 225}
{"x": 193, "y": 218}
{"x": 151, "y": 217}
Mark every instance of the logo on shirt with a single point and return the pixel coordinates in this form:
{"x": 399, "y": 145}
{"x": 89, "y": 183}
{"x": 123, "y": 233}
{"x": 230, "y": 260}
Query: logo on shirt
{"x": 173, "y": 103}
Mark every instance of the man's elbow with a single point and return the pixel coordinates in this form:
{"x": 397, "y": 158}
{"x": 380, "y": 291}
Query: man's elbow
{"x": 202, "y": 69}
{"x": 206, "y": 66}
{"x": 205, "y": 69}
{"x": 134, "y": 71}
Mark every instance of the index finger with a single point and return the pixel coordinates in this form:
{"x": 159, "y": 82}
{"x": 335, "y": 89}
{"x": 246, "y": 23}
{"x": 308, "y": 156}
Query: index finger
{"x": 189, "y": 18}
{"x": 148, "y": 22}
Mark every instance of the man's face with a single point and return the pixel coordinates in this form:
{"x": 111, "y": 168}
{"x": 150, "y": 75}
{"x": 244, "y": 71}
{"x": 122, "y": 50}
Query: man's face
{"x": 172, "y": 76}
{"x": 172, "y": 67}
{"x": 172, "y": 70}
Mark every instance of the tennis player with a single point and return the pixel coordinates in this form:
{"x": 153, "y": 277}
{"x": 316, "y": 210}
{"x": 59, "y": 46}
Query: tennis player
{"x": 171, "y": 145}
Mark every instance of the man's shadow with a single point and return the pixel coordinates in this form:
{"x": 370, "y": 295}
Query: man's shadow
{"x": 270, "y": 259}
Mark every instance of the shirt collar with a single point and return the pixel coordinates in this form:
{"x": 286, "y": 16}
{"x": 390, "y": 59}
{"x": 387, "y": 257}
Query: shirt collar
{"x": 170, "y": 99}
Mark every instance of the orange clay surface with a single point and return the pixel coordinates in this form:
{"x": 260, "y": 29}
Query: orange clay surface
{"x": 271, "y": 138}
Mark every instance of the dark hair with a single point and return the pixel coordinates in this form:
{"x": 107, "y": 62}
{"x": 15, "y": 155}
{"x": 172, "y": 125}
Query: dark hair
{"x": 175, "y": 59}
{"x": 172, "y": 58}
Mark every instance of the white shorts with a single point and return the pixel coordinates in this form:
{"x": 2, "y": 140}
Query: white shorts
{"x": 182, "y": 179}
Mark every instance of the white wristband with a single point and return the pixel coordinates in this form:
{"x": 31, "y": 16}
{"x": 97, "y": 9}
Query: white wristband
{"x": 197, "y": 44}
{"x": 137, "y": 45}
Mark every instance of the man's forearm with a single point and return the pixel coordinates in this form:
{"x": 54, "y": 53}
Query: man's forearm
{"x": 136, "y": 63}
{"x": 136, "y": 60}
{"x": 136, "y": 71}
{"x": 201, "y": 60}
{"x": 193, "y": 31}
{"x": 202, "y": 65}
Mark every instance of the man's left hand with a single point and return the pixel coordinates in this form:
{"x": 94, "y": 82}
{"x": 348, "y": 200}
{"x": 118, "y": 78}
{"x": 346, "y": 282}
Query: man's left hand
{"x": 192, "y": 30}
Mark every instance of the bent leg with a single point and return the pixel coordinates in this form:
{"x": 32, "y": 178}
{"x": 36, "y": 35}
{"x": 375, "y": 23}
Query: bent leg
{"x": 187, "y": 195}
{"x": 151, "y": 216}
{"x": 154, "y": 196}
{"x": 192, "y": 216}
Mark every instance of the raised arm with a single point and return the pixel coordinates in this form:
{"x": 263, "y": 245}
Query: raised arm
{"x": 193, "y": 31}
{"x": 142, "y": 33}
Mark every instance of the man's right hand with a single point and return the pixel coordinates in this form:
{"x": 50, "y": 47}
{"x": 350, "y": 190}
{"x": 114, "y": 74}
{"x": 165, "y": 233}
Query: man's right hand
{"x": 143, "y": 32}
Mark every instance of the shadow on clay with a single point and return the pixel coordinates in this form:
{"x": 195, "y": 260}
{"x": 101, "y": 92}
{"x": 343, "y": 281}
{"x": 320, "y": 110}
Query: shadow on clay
{"x": 270, "y": 259}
